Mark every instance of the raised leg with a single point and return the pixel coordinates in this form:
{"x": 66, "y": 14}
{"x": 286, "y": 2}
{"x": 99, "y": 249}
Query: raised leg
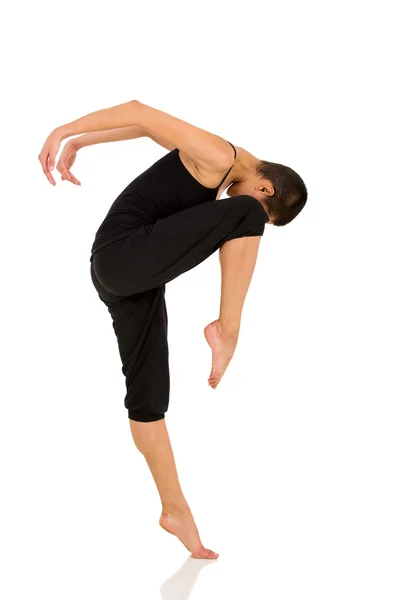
{"x": 155, "y": 254}
{"x": 152, "y": 440}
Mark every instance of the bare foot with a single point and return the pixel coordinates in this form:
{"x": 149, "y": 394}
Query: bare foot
{"x": 223, "y": 346}
{"x": 183, "y": 526}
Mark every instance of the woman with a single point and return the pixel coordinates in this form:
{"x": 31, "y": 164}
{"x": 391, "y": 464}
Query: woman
{"x": 165, "y": 222}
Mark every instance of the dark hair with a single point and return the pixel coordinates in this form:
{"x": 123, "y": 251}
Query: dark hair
{"x": 290, "y": 191}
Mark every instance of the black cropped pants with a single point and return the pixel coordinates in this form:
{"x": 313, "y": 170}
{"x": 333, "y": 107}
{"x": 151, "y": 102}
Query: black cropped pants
{"x": 130, "y": 276}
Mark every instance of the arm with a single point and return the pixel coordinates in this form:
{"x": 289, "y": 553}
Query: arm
{"x": 131, "y": 132}
{"x": 109, "y": 135}
{"x": 206, "y": 150}
{"x": 68, "y": 155}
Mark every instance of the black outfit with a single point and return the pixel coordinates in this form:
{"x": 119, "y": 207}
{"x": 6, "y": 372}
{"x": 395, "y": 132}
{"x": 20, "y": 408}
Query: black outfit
{"x": 164, "y": 223}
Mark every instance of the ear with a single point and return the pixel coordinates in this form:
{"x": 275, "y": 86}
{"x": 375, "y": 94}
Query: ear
{"x": 267, "y": 188}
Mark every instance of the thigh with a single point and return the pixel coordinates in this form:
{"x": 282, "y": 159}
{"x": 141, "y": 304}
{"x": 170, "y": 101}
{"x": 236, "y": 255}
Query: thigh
{"x": 140, "y": 324}
{"x": 157, "y": 253}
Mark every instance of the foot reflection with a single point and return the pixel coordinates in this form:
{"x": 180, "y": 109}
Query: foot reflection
{"x": 180, "y": 585}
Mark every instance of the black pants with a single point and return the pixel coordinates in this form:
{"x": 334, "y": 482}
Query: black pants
{"x": 130, "y": 276}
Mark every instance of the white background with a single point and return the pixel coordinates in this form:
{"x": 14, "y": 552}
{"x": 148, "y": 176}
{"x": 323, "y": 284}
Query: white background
{"x": 291, "y": 466}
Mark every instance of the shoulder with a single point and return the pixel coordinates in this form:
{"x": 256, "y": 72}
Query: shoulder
{"x": 207, "y": 176}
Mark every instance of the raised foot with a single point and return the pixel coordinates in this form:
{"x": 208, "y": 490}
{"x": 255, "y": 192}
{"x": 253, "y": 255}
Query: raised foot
{"x": 222, "y": 344}
{"x": 184, "y": 528}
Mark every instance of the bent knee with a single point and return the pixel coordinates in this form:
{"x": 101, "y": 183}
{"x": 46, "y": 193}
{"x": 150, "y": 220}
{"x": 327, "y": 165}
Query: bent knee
{"x": 255, "y": 216}
{"x": 255, "y": 207}
{"x": 251, "y": 205}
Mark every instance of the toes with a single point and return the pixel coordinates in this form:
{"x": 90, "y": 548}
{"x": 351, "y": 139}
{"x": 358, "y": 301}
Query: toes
{"x": 205, "y": 553}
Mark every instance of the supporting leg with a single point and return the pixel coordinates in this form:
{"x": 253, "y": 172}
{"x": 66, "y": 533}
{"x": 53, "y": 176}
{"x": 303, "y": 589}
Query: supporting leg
{"x": 152, "y": 440}
{"x": 130, "y": 277}
{"x": 237, "y": 258}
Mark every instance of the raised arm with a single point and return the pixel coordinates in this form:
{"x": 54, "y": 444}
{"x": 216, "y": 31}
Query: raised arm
{"x": 206, "y": 150}
{"x": 132, "y": 132}
{"x": 68, "y": 155}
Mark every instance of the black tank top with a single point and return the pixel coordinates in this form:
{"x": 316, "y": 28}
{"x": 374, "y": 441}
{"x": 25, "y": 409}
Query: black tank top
{"x": 162, "y": 190}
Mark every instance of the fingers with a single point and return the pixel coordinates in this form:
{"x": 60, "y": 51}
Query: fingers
{"x": 66, "y": 173}
{"x": 74, "y": 179}
{"x": 48, "y": 155}
{"x": 50, "y": 162}
{"x": 46, "y": 167}
{"x": 69, "y": 177}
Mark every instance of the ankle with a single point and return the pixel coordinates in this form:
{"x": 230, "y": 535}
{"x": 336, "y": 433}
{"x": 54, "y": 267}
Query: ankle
{"x": 177, "y": 510}
{"x": 229, "y": 326}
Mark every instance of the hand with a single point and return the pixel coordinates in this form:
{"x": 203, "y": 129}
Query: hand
{"x": 47, "y": 156}
{"x": 65, "y": 162}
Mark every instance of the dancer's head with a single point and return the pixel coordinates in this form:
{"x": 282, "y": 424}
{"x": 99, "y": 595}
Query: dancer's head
{"x": 280, "y": 190}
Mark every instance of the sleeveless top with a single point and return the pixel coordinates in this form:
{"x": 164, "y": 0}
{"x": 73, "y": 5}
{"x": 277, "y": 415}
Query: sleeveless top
{"x": 163, "y": 189}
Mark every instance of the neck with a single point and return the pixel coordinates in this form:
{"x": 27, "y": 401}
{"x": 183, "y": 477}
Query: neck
{"x": 244, "y": 167}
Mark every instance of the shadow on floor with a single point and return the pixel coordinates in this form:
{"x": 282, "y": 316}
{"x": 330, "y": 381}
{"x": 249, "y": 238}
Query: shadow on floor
{"x": 180, "y": 585}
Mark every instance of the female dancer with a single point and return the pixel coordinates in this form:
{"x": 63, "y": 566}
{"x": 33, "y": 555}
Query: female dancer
{"x": 166, "y": 221}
